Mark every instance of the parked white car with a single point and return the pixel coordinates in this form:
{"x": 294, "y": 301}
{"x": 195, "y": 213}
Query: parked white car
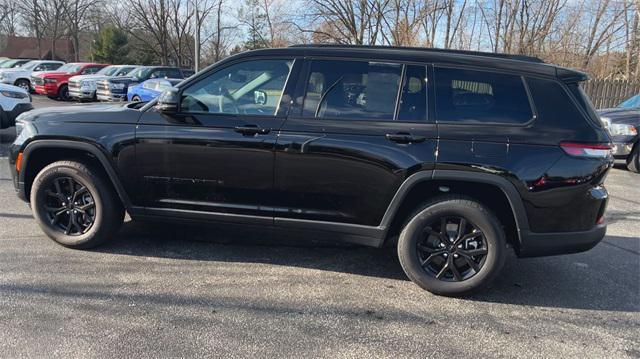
{"x": 83, "y": 87}
{"x": 13, "y": 101}
{"x": 21, "y": 76}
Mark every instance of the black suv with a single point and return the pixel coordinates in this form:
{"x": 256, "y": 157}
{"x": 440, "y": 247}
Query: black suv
{"x": 455, "y": 157}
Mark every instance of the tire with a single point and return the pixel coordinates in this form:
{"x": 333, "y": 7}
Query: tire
{"x": 63, "y": 93}
{"x": 107, "y": 211}
{"x": 633, "y": 160}
{"x": 135, "y": 98}
{"x": 24, "y": 84}
{"x": 420, "y": 243}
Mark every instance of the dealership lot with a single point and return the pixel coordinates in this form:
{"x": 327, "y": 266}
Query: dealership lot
{"x": 159, "y": 290}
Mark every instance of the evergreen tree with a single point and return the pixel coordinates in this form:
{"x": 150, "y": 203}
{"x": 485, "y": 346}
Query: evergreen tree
{"x": 111, "y": 46}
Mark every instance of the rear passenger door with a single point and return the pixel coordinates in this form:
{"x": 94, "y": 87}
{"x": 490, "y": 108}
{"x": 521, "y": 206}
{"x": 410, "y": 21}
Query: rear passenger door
{"x": 357, "y": 130}
{"x": 482, "y": 117}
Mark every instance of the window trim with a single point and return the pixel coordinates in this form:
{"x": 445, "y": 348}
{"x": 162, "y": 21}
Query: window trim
{"x": 532, "y": 107}
{"x": 301, "y": 90}
{"x": 224, "y": 66}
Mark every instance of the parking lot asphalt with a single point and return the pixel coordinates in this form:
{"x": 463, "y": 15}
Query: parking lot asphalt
{"x": 173, "y": 291}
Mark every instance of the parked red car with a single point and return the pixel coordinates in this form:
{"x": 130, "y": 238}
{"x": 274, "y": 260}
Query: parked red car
{"x": 54, "y": 84}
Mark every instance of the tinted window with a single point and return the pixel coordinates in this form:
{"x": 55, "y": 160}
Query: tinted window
{"x": 413, "y": 102}
{"x": 352, "y": 90}
{"x": 166, "y": 73}
{"x": 90, "y": 70}
{"x": 250, "y": 88}
{"x": 477, "y": 96}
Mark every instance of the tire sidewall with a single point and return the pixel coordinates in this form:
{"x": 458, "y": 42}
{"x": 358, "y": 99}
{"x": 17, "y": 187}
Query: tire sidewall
{"x": 38, "y": 196}
{"x": 633, "y": 160}
{"x": 480, "y": 218}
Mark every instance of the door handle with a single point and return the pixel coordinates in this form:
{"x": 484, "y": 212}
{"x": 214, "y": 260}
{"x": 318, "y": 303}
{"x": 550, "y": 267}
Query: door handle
{"x": 404, "y": 138}
{"x": 251, "y": 130}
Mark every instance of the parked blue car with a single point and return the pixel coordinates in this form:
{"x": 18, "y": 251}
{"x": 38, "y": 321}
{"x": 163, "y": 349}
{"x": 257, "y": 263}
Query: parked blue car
{"x": 150, "y": 89}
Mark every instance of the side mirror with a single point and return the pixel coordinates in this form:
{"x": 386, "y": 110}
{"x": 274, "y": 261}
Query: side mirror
{"x": 168, "y": 101}
{"x": 260, "y": 97}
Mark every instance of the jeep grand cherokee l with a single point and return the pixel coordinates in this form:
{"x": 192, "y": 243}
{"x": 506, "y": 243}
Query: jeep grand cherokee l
{"x": 454, "y": 157}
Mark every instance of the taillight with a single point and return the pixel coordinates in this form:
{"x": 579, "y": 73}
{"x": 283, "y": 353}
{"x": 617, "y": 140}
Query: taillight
{"x": 588, "y": 150}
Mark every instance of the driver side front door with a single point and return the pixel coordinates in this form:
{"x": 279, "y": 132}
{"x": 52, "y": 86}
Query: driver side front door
{"x": 216, "y": 154}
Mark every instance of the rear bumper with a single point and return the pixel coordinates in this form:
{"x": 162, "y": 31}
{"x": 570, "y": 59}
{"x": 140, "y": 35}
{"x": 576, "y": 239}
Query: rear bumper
{"x": 549, "y": 244}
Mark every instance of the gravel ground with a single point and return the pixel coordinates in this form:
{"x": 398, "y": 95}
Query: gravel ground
{"x": 172, "y": 291}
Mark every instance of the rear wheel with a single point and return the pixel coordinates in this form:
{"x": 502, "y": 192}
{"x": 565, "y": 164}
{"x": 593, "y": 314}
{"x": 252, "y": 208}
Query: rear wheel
{"x": 135, "y": 98}
{"x": 452, "y": 246}
{"x": 633, "y": 160}
{"x": 74, "y": 206}
{"x": 24, "y": 84}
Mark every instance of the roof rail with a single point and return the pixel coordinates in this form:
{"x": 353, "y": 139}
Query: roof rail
{"x": 430, "y": 49}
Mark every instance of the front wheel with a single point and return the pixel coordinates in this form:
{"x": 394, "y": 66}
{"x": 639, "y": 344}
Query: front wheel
{"x": 452, "y": 246}
{"x": 75, "y": 206}
{"x": 63, "y": 93}
{"x": 135, "y": 98}
{"x": 633, "y": 160}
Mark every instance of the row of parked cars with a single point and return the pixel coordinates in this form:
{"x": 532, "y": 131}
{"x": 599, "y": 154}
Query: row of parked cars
{"x": 84, "y": 81}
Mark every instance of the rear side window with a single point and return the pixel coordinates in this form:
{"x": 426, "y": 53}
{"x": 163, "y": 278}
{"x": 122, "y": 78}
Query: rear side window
{"x": 468, "y": 96}
{"x": 352, "y": 90}
{"x": 554, "y": 105}
{"x": 413, "y": 102}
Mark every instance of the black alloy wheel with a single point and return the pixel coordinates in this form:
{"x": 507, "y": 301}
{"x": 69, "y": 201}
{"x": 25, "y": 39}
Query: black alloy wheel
{"x": 70, "y": 206}
{"x": 452, "y": 245}
{"x": 453, "y": 249}
{"x": 75, "y": 204}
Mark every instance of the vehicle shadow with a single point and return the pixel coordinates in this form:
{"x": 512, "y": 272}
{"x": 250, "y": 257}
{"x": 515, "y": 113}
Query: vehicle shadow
{"x": 581, "y": 281}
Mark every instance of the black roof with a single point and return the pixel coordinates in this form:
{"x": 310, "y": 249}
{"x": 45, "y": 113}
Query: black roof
{"x": 517, "y": 63}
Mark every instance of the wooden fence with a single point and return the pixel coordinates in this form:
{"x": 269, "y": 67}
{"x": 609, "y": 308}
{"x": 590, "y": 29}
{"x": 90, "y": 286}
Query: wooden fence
{"x": 609, "y": 93}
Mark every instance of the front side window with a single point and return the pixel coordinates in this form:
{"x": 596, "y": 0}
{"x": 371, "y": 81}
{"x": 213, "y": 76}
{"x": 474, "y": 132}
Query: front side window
{"x": 248, "y": 88}
{"x": 468, "y": 96}
{"x": 352, "y": 90}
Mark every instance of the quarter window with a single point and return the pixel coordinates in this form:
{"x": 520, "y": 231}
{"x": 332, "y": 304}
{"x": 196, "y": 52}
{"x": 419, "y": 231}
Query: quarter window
{"x": 352, "y": 90}
{"x": 467, "y": 96}
{"x": 249, "y": 88}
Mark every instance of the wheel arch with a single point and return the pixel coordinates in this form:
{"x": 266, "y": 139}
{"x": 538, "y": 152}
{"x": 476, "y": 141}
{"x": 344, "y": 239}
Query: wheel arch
{"x": 496, "y": 192}
{"x": 22, "y": 79}
{"x": 40, "y": 153}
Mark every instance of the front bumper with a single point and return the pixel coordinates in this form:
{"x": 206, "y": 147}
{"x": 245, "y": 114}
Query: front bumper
{"x": 48, "y": 89}
{"x": 109, "y": 96}
{"x": 622, "y": 149}
{"x": 8, "y": 118}
{"x": 82, "y": 94}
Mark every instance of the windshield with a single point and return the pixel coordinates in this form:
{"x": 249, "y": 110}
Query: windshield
{"x": 140, "y": 73}
{"x": 30, "y": 65}
{"x": 633, "y": 102}
{"x": 70, "y": 68}
{"x": 107, "y": 71}
{"x": 9, "y": 64}
{"x": 123, "y": 71}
